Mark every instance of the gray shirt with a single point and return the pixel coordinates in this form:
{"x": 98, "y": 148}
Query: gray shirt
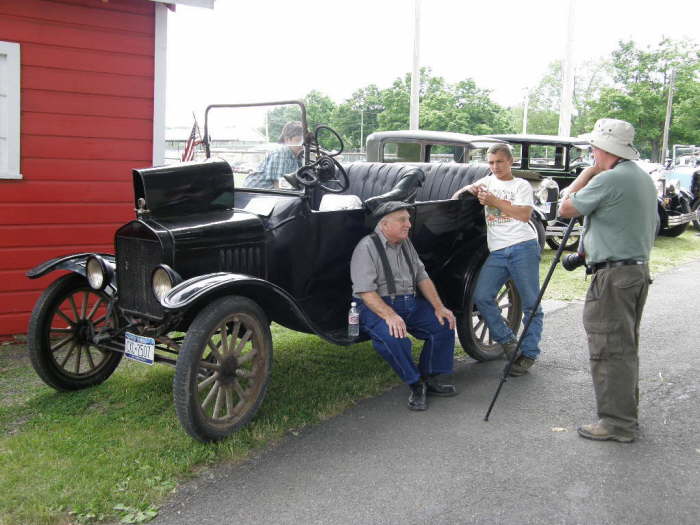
{"x": 367, "y": 272}
{"x": 621, "y": 208}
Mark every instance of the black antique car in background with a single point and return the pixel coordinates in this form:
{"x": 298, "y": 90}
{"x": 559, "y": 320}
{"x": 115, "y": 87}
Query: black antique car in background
{"x": 547, "y": 163}
{"x": 209, "y": 262}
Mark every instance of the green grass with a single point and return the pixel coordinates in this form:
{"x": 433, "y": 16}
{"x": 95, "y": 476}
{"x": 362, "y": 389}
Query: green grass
{"x": 667, "y": 253}
{"x": 74, "y": 457}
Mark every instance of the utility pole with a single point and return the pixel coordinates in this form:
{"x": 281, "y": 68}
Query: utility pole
{"x": 526, "y": 104}
{"x": 362, "y": 129}
{"x": 667, "y": 122}
{"x": 567, "y": 88}
{"x": 415, "y": 76}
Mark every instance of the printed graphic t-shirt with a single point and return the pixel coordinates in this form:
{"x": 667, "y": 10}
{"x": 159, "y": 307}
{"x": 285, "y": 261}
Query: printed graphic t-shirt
{"x": 503, "y": 231}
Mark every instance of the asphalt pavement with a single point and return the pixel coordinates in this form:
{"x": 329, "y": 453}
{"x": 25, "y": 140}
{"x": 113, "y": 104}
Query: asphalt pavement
{"x": 379, "y": 463}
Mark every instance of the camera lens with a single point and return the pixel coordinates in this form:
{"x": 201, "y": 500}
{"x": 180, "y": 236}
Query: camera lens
{"x": 573, "y": 261}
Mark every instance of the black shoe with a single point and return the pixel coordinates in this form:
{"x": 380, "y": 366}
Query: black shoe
{"x": 437, "y": 389}
{"x": 416, "y": 400}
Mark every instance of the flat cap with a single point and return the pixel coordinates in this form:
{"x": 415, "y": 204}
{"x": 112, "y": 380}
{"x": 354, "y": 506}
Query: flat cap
{"x": 390, "y": 207}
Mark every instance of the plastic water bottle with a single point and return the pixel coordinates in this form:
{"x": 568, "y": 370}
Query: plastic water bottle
{"x": 353, "y": 320}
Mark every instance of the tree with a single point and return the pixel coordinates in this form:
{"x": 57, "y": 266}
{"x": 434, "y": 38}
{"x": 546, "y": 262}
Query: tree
{"x": 319, "y": 109}
{"x": 461, "y": 107}
{"x": 357, "y": 117}
{"x": 639, "y": 96}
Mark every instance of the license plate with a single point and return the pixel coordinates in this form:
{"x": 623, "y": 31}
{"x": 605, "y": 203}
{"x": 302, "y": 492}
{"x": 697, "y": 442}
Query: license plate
{"x": 139, "y": 348}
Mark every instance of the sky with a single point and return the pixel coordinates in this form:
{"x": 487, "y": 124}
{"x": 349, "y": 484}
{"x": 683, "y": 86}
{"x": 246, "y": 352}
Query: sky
{"x": 265, "y": 50}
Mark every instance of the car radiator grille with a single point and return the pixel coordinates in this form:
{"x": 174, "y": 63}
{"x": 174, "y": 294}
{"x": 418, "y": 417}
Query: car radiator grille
{"x": 242, "y": 259}
{"x": 136, "y": 260}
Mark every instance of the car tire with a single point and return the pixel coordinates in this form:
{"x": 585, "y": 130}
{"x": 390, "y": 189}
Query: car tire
{"x": 536, "y": 224}
{"x": 675, "y": 231}
{"x": 59, "y": 339}
{"x": 219, "y": 384}
{"x": 474, "y": 335}
{"x": 555, "y": 241}
{"x": 695, "y": 207}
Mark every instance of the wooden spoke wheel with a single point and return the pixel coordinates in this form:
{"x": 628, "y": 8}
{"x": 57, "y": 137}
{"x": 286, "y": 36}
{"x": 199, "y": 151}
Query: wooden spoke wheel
{"x": 64, "y": 321}
{"x": 474, "y": 334}
{"x": 223, "y": 368}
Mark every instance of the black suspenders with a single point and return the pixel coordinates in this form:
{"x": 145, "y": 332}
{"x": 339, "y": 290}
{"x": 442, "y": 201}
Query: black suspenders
{"x": 390, "y": 282}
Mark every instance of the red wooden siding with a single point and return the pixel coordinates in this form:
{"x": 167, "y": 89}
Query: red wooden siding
{"x": 86, "y": 121}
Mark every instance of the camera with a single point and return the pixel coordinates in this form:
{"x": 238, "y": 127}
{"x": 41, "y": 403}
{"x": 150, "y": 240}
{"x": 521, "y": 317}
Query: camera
{"x": 573, "y": 261}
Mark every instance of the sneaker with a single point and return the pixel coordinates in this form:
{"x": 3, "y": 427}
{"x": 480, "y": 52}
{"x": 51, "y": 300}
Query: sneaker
{"x": 509, "y": 349}
{"x": 521, "y": 366}
{"x": 417, "y": 400}
{"x": 598, "y": 432}
{"x": 434, "y": 388}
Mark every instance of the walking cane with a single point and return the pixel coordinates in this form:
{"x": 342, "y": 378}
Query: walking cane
{"x": 512, "y": 359}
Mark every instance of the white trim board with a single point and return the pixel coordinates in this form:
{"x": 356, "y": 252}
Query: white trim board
{"x": 9, "y": 110}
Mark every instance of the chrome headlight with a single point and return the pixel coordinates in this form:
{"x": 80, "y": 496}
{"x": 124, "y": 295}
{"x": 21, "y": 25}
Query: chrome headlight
{"x": 673, "y": 186}
{"x": 163, "y": 280}
{"x": 660, "y": 185}
{"x": 548, "y": 191}
{"x": 99, "y": 272}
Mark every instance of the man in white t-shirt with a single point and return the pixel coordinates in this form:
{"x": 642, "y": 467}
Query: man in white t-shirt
{"x": 514, "y": 254}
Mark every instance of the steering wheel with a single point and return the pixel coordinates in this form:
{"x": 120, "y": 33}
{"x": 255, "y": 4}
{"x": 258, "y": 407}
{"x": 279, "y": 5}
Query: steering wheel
{"x": 326, "y": 171}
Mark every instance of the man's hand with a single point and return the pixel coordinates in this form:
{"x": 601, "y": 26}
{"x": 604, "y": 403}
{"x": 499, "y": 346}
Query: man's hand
{"x": 472, "y": 188}
{"x": 445, "y": 315}
{"x": 397, "y": 326}
{"x": 487, "y": 198}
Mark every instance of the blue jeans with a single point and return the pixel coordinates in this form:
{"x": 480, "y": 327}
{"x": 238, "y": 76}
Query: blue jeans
{"x": 419, "y": 315}
{"x": 521, "y": 263}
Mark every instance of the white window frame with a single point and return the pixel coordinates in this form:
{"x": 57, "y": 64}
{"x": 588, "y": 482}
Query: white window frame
{"x": 9, "y": 98}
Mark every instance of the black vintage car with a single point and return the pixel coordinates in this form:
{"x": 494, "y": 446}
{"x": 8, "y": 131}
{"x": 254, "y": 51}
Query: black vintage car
{"x": 209, "y": 262}
{"x": 547, "y": 163}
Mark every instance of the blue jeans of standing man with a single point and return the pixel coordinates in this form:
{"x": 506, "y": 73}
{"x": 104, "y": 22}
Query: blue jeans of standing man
{"x": 521, "y": 263}
{"x": 419, "y": 315}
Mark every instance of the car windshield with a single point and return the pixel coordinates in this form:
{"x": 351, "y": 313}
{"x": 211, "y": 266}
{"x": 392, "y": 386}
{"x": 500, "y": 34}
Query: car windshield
{"x": 261, "y": 143}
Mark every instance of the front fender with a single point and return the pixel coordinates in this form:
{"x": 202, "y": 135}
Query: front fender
{"x": 73, "y": 263}
{"x": 192, "y": 295}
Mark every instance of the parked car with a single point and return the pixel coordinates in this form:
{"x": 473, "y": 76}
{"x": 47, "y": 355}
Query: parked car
{"x": 544, "y": 158}
{"x": 547, "y": 163}
{"x": 207, "y": 264}
{"x": 682, "y": 172}
{"x": 675, "y": 204}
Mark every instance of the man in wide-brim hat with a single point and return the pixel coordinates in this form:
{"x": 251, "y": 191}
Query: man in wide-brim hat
{"x": 619, "y": 200}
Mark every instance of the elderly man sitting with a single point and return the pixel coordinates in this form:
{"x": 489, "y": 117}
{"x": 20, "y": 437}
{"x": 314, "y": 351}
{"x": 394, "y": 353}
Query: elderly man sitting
{"x": 386, "y": 275}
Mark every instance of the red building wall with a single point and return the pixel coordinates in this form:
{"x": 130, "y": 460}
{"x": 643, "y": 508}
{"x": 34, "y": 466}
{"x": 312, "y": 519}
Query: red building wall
{"x": 86, "y": 121}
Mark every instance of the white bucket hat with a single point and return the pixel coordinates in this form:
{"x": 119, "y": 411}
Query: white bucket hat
{"x": 614, "y": 136}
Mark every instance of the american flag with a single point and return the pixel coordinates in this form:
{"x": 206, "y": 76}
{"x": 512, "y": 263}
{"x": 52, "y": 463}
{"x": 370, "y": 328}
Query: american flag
{"x": 193, "y": 141}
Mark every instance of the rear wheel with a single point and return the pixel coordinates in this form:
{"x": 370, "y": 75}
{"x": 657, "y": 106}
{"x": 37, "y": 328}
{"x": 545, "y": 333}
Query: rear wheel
{"x": 223, "y": 368}
{"x": 474, "y": 334}
{"x": 696, "y": 208}
{"x": 536, "y": 224}
{"x": 64, "y": 320}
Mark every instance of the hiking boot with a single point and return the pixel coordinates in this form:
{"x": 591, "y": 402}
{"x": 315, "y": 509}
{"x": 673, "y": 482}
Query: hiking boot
{"x": 417, "y": 400}
{"x": 521, "y": 366}
{"x": 509, "y": 349}
{"x": 434, "y": 388}
{"x": 598, "y": 432}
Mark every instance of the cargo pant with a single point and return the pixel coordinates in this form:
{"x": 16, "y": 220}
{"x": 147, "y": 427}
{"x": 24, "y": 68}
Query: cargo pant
{"x": 611, "y": 317}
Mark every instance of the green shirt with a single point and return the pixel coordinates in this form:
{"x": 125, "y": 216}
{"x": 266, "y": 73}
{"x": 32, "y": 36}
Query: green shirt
{"x": 621, "y": 208}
